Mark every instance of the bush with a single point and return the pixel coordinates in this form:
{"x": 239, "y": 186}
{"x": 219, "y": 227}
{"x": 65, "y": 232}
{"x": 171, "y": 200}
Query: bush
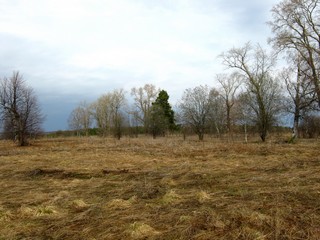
{"x": 310, "y": 127}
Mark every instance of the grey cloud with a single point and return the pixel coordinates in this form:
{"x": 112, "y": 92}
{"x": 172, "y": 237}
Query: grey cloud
{"x": 172, "y": 44}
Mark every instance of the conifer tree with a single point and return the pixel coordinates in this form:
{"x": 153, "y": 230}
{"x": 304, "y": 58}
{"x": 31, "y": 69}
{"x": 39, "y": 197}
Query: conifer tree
{"x": 162, "y": 115}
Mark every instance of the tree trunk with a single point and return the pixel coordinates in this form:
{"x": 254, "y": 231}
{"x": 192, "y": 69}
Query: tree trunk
{"x": 295, "y": 125}
{"x": 218, "y": 131}
{"x": 201, "y": 135}
{"x": 228, "y": 119}
{"x": 263, "y": 131}
{"x": 297, "y": 108}
{"x": 22, "y": 139}
{"x": 245, "y": 133}
{"x": 315, "y": 78}
{"x": 263, "y": 135}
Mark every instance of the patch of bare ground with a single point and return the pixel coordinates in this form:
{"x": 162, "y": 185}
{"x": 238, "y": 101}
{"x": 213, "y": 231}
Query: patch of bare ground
{"x": 167, "y": 188}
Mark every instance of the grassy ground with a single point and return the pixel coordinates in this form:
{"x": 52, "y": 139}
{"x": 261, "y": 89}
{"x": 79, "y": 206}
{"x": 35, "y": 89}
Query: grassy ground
{"x": 93, "y": 188}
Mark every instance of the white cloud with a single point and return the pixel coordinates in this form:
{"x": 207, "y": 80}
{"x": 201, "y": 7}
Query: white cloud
{"x": 88, "y": 46}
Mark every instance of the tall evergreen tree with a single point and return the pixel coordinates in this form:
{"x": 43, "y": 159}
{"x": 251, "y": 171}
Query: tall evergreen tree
{"x": 162, "y": 115}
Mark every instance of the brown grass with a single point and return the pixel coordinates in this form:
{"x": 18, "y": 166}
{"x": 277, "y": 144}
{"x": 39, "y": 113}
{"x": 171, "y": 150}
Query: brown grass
{"x": 94, "y": 188}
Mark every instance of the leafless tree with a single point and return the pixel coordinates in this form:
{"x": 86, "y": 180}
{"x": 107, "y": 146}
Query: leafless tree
{"x": 263, "y": 92}
{"x": 80, "y": 118}
{"x": 133, "y": 122}
{"x": 19, "y": 109}
{"x": 117, "y": 103}
{"x": 108, "y": 112}
{"x": 301, "y": 93}
{"x": 101, "y": 111}
{"x": 244, "y": 113}
{"x": 216, "y": 116}
{"x": 143, "y": 99}
{"x": 229, "y": 86}
{"x": 296, "y": 29}
{"x": 195, "y": 107}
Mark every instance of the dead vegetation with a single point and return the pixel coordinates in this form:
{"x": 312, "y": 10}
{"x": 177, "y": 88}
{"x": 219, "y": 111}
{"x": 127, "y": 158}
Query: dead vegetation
{"x": 94, "y": 188}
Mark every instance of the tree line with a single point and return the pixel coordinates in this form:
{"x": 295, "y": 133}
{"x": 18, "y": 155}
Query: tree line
{"x": 151, "y": 113}
{"x": 254, "y": 93}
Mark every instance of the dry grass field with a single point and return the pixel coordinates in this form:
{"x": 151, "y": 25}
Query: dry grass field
{"x": 95, "y": 188}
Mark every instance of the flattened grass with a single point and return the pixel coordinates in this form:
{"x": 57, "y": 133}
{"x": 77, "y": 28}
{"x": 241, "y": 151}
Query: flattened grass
{"x": 94, "y": 188}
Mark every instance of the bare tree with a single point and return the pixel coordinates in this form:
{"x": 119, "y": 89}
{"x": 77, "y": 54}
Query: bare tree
{"x": 244, "y": 113}
{"x": 229, "y": 86}
{"x": 263, "y": 92}
{"x": 216, "y": 116}
{"x": 108, "y": 112}
{"x": 19, "y": 109}
{"x": 133, "y": 122}
{"x": 195, "y": 107}
{"x": 101, "y": 111}
{"x": 80, "y": 118}
{"x": 118, "y": 101}
{"x": 143, "y": 99}
{"x": 296, "y": 29}
{"x": 301, "y": 93}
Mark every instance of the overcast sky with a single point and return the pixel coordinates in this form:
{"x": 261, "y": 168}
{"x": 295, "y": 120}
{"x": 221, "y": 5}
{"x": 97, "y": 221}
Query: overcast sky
{"x": 73, "y": 50}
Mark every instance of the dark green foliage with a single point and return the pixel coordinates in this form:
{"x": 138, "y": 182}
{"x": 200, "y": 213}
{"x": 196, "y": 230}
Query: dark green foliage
{"x": 162, "y": 115}
{"x": 158, "y": 123}
{"x": 162, "y": 101}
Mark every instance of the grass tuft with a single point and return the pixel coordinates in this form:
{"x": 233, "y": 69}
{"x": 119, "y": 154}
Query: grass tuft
{"x": 140, "y": 230}
{"x": 171, "y": 198}
{"x": 79, "y": 205}
{"x": 119, "y": 204}
{"x": 203, "y": 196}
{"x": 38, "y": 211}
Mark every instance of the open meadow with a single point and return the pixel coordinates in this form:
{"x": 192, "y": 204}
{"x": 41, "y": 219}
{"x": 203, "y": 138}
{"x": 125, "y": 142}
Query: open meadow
{"x": 167, "y": 188}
